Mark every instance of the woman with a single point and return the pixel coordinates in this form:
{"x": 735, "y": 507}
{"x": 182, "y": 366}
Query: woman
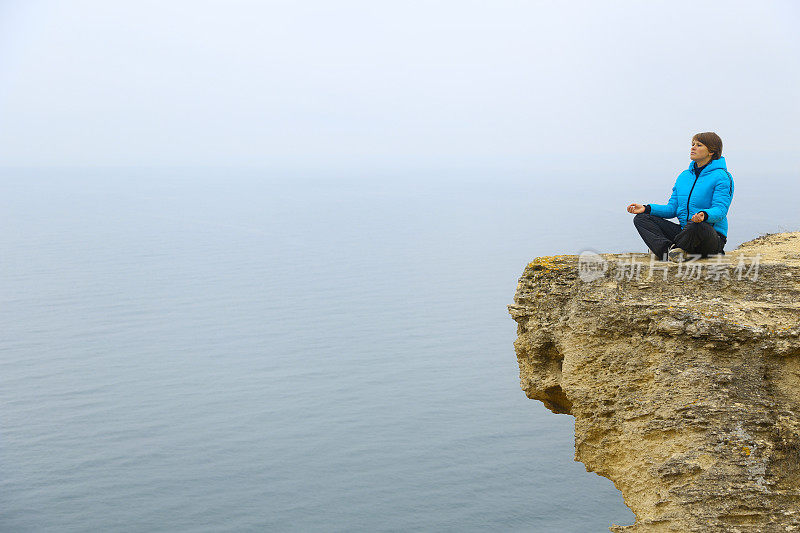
{"x": 700, "y": 200}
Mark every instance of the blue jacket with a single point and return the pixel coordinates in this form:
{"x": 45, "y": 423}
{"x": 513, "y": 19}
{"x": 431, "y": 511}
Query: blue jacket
{"x": 711, "y": 192}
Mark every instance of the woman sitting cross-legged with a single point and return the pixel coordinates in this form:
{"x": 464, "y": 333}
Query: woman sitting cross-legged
{"x": 700, "y": 200}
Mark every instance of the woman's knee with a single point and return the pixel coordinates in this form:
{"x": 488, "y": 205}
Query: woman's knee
{"x": 640, "y": 218}
{"x": 699, "y": 227}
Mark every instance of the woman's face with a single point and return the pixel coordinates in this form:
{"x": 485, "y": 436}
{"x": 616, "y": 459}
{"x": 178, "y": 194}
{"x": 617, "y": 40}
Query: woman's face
{"x": 698, "y": 151}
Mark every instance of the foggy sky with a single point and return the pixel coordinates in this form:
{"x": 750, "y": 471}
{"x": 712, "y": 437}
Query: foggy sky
{"x": 368, "y": 82}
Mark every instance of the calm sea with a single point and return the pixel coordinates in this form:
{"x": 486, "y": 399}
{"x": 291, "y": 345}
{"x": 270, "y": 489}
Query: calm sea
{"x": 208, "y": 351}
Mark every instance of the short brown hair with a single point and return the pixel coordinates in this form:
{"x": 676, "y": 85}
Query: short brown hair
{"x": 712, "y": 142}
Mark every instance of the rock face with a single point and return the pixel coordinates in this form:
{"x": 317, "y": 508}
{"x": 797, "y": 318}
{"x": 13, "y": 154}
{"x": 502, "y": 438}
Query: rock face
{"x": 685, "y": 390}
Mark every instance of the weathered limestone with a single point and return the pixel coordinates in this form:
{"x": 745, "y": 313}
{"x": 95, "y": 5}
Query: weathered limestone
{"x": 685, "y": 392}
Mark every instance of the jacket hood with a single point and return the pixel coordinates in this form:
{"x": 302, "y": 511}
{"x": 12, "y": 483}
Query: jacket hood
{"x": 712, "y": 165}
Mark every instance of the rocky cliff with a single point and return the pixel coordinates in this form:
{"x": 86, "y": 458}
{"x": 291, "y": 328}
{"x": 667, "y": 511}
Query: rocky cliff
{"x": 684, "y": 379}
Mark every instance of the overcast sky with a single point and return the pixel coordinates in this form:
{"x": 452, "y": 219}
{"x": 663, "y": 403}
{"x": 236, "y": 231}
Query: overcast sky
{"x": 86, "y": 82}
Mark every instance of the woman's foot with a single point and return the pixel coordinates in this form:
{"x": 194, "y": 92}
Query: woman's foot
{"x": 676, "y": 254}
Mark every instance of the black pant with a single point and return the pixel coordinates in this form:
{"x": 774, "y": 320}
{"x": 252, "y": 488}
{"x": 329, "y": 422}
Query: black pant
{"x": 696, "y": 238}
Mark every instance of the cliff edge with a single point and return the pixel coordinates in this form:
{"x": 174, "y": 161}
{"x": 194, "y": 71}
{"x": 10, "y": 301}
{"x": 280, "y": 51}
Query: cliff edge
{"x": 684, "y": 379}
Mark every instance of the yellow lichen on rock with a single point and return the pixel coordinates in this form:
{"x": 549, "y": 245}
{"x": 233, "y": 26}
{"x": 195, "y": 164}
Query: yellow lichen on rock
{"x": 551, "y": 262}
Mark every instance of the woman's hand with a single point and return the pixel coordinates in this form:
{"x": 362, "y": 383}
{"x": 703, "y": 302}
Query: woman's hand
{"x": 637, "y": 208}
{"x": 698, "y": 217}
